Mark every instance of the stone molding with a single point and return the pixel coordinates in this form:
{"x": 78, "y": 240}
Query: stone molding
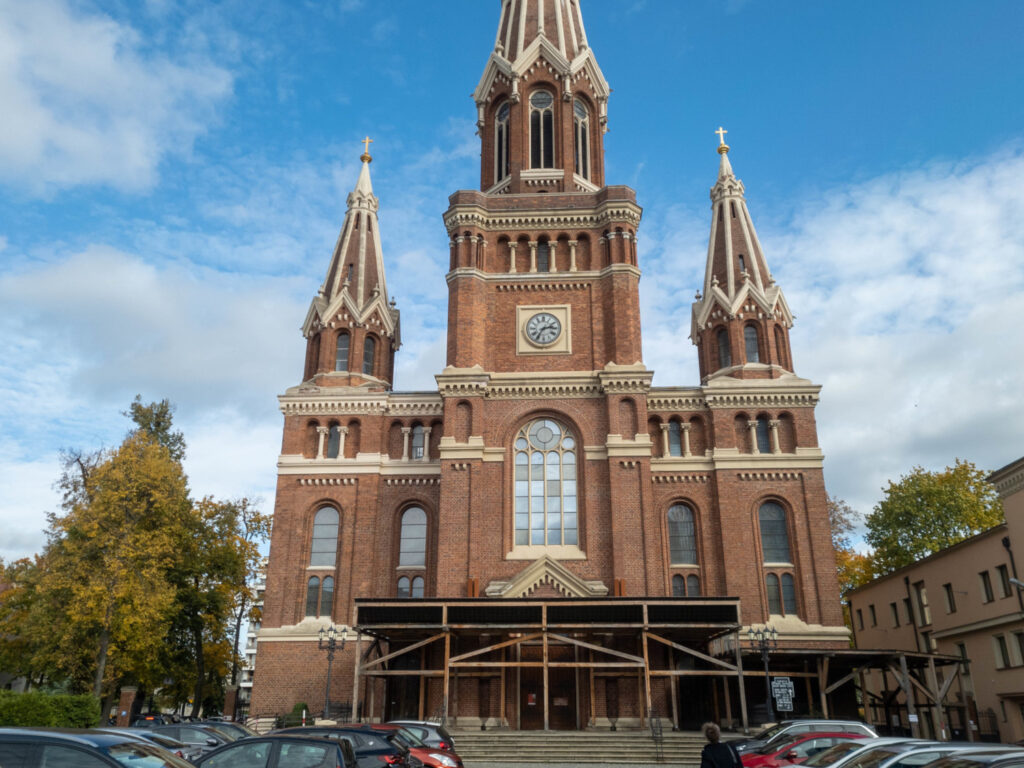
{"x": 546, "y": 570}
{"x": 679, "y": 479}
{"x": 660, "y": 399}
{"x": 363, "y": 464}
{"x": 326, "y": 480}
{"x": 475, "y": 216}
{"x": 770, "y": 475}
{"x": 320, "y": 401}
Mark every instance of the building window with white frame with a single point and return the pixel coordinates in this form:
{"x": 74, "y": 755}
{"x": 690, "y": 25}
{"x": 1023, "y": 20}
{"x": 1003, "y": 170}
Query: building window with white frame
{"x": 542, "y": 130}
{"x": 417, "y": 441}
{"x": 682, "y": 535}
{"x": 1002, "y": 653}
{"x": 341, "y": 352}
{"x": 950, "y": 598}
{"x": 774, "y": 533}
{"x": 581, "y": 138}
{"x": 750, "y": 343}
{"x": 1003, "y": 573}
{"x": 501, "y": 143}
{"x": 986, "y": 587}
{"x": 412, "y": 551}
{"x": 675, "y": 438}
{"x": 324, "y": 549}
{"x": 545, "y": 485}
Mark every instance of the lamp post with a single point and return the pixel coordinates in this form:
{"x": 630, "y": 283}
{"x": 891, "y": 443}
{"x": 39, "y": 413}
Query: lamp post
{"x": 327, "y": 640}
{"x": 765, "y": 640}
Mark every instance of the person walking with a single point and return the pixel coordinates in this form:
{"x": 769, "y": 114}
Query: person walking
{"x": 716, "y": 754}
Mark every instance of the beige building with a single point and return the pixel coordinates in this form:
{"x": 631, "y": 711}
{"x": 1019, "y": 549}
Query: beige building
{"x": 963, "y": 602}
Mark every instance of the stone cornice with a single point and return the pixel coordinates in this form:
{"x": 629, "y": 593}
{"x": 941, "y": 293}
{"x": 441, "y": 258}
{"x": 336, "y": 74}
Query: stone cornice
{"x": 474, "y": 215}
{"x": 663, "y": 399}
{"x": 754, "y": 465}
{"x": 344, "y": 469}
{"x": 561, "y": 280}
{"x": 351, "y": 401}
{"x": 787, "y": 392}
{"x": 475, "y": 382}
{"x": 1010, "y": 479}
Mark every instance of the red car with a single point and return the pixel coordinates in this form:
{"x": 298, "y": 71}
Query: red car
{"x": 427, "y": 755}
{"x": 795, "y": 750}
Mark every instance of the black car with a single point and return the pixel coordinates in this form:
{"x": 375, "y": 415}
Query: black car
{"x": 204, "y": 737}
{"x": 69, "y": 748}
{"x": 281, "y": 751}
{"x": 235, "y": 730}
{"x": 162, "y": 740}
{"x": 373, "y": 749}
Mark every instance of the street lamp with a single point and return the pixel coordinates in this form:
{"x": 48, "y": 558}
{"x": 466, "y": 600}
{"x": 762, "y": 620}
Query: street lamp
{"x": 765, "y": 640}
{"x": 328, "y": 641}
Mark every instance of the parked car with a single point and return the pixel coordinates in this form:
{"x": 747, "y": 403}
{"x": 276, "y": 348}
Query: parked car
{"x": 794, "y": 749}
{"x": 981, "y": 759}
{"x": 918, "y": 755}
{"x": 433, "y": 734}
{"x": 431, "y": 757}
{"x": 793, "y": 727}
{"x": 281, "y": 751}
{"x": 372, "y": 748}
{"x": 204, "y": 737}
{"x": 841, "y": 754}
{"x": 55, "y": 747}
{"x": 152, "y": 718}
{"x": 237, "y": 730}
{"x": 162, "y": 740}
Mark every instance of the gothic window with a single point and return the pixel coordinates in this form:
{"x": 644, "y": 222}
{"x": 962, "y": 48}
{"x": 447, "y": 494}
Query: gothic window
{"x": 333, "y": 441}
{"x": 403, "y": 587}
{"x": 369, "y": 349}
{"x": 743, "y": 266}
{"x": 763, "y": 435}
{"x": 675, "y": 441}
{"x": 774, "y": 533}
{"x": 341, "y": 353}
{"x": 312, "y": 596}
{"x": 581, "y": 136}
{"x": 545, "y": 484}
{"x": 413, "y": 546}
{"x": 750, "y": 344}
{"x": 682, "y": 538}
{"x": 789, "y": 594}
{"x": 693, "y": 585}
{"x": 774, "y": 594}
{"x": 417, "y": 586}
{"x": 348, "y": 275}
{"x": 543, "y": 256}
{"x": 325, "y": 537}
{"x": 678, "y": 586}
{"x": 724, "y": 355}
{"x": 501, "y": 151}
{"x": 542, "y": 130}
{"x": 417, "y": 442}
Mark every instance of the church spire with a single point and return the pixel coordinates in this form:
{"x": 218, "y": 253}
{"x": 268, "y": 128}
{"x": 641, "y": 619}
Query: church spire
{"x": 351, "y": 327}
{"x": 741, "y": 321}
{"x": 542, "y": 102}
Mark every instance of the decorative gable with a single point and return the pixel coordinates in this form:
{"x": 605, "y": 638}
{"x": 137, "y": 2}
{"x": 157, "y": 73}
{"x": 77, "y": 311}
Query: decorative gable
{"x": 546, "y": 573}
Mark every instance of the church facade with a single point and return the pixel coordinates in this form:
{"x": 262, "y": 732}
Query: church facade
{"x": 546, "y": 540}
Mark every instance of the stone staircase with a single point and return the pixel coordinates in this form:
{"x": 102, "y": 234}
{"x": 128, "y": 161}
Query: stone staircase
{"x": 478, "y": 748}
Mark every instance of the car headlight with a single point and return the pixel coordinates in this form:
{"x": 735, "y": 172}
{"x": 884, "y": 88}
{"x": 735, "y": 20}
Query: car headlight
{"x": 444, "y": 760}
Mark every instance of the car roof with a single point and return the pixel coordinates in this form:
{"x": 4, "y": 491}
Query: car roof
{"x": 91, "y": 738}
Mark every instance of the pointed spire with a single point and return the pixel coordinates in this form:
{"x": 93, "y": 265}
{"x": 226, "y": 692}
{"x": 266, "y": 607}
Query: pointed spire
{"x": 523, "y": 21}
{"x": 739, "y": 291}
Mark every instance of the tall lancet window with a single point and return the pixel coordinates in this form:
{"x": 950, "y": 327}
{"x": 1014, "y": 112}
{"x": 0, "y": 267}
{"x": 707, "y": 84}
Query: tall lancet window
{"x": 341, "y": 353}
{"x": 581, "y": 138}
{"x": 542, "y": 130}
{"x": 724, "y": 354}
{"x": 543, "y": 256}
{"x": 545, "y": 485}
{"x": 369, "y": 349}
{"x": 501, "y": 153}
{"x": 750, "y": 343}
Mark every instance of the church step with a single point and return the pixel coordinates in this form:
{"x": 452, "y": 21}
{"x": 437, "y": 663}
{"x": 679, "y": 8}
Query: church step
{"x": 579, "y": 747}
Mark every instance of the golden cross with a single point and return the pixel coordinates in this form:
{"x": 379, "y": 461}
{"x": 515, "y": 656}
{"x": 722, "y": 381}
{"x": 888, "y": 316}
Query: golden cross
{"x": 366, "y": 145}
{"x": 721, "y": 134}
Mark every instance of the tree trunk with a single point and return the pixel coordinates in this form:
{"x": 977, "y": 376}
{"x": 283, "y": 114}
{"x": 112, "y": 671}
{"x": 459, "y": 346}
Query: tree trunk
{"x": 101, "y": 663}
{"x": 238, "y": 632}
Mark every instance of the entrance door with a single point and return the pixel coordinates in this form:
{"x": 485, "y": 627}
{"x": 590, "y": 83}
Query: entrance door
{"x": 562, "y": 697}
{"x": 403, "y": 691}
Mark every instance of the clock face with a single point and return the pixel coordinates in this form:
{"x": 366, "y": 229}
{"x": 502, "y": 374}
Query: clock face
{"x": 543, "y": 328}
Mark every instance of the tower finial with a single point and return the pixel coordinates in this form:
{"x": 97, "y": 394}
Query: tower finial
{"x": 365, "y": 157}
{"x": 723, "y": 148}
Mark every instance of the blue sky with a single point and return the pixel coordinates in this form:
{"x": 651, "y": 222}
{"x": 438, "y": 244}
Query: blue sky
{"x": 173, "y": 177}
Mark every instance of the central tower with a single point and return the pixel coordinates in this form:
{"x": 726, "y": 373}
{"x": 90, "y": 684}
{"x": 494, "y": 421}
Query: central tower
{"x": 543, "y": 273}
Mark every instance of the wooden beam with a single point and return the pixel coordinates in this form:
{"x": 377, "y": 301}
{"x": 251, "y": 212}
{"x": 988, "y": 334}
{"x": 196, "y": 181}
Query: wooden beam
{"x": 692, "y": 652}
{"x": 496, "y": 646}
{"x": 355, "y": 677}
{"x": 599, "y": 648}
{"x": 843, "y": 680}
{"x": 647, "y": 673}
{"x": 739, "y": 677}
{"x": 547, "y": 723}
{"x": 407, "y": 649}
{"x": 904, "y": 679}
{"x": 446, "y": 677}
{"x": 822, "y": 680}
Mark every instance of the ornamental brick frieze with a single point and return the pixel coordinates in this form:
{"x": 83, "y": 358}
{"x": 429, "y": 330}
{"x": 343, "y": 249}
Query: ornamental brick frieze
{"x": 666, "y": 401}
{"x": 520, "y": 286}
{"x": 459, "y": 219}
{"x": 543, "y": 390}
{"x": 805, "y": 399}
{"x": 313, "y": 407}
{"x": 660, "y": 479}
{"x": 769, "y": 475}
{"x": 412, "y": 481}
{"x": 326, "y": 480}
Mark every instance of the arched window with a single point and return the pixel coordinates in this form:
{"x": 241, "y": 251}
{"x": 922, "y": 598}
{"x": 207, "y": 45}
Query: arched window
{"x": 417, "y": 442}
{"x": 743, "y": 264}
{"x": 341, "y": 352}
{"x": 724, "y": 354}
{"x": 501, "y": 151}
{"x": 545, "y": 484}
{"x": 750, "y": 344}
{"x": 326, "y": 597}
{"x": 764, "y": 437}
{"x": 543, "y": 256}
{"x": 413, "y": 546}
{"x": 542, "y": 130}
{"x": 771, "y": 584}
{"x": 581, "y": 138}
{"x": 774, "y": 533}
{"x": 369, "y": 349}
{"x": 693, "y": 585}
{"x": 678, "y": 586}
{"x": 682, "y": 538}
{"x": 417, "y": 586}
{"x": 313, "y": 596}
{"x": 788, "y": 594}
{"x": 325, "y": 537}
{"x": 403, "y": 587}
{"x": 333, "y": 441}
{"x": 675, "y": 441}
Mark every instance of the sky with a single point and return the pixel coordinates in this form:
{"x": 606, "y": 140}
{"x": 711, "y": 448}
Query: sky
{"x": 173, "y": 178}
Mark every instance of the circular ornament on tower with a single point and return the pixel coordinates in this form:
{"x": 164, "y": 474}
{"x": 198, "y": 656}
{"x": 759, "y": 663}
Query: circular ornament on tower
{"x": 543, "y": 329}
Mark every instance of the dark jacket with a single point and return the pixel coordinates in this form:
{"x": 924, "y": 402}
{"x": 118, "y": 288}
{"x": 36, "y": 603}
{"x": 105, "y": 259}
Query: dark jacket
{"x": 720, "y": 755}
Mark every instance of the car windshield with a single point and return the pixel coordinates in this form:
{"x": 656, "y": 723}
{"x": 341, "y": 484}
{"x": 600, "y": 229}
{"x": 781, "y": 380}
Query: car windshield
{"x": 872, "y": 757}
{"x": 771, "y": 732}
{"x": 780, "y": 744}
{"x": 411, "y": 738}
{"x": 145, "y": 756}
{"x": 832, "y": 754}
{"x": 223, "y": 732}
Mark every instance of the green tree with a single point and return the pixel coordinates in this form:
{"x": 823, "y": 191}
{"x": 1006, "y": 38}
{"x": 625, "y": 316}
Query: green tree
{"x": 852, "y": 567}
{"x": 157, "y": 420}
{"x": 254, "y": 530}
{"x": 925, "y": 512}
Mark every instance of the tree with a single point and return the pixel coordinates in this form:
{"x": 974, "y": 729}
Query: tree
{"x": 925, "y": 512}
{"x": 156, "y": 420}
{"x": 852, "y": 567}
{"x": 254, "y": 530}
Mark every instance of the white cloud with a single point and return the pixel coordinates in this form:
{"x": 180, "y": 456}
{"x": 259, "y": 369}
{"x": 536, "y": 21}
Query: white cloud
{"x": 93, "y": 105}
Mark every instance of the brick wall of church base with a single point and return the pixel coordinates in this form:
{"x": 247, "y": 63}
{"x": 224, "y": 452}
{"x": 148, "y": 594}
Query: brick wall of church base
{"x": 288, "y": 673}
